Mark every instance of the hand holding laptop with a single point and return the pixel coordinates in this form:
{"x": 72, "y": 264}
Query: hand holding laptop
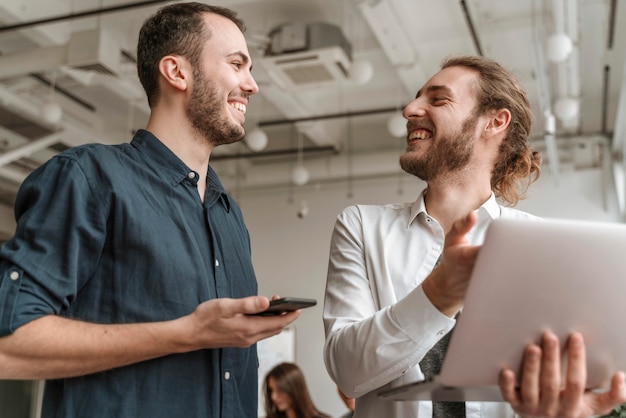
{"x": 529, "y": 277}
{"x": 542, "y": 391}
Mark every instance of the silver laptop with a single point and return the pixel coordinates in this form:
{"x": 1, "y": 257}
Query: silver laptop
{"x": 533, "y": 275}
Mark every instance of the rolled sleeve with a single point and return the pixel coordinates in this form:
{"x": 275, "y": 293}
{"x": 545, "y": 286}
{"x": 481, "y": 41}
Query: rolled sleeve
{"x": 42, "y": 275}
{"x": 22, "y": 302}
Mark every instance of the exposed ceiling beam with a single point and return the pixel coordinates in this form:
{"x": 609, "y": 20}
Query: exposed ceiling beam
{"x": 29, "y": 148}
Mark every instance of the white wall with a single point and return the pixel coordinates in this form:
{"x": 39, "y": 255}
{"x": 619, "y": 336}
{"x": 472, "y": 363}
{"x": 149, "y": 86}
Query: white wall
{"x": 290, "y": 254}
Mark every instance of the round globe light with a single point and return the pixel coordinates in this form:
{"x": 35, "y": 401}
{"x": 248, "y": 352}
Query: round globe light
{"x": 51, "y": 112}
{"x": 396, "y": 125}
{"x": 361, "y": 72}
{"x": 559, "y": 47}
{"x": 300, "y": 175}
{"x": 566, "y": 108}
{"x": 256, "y": 139}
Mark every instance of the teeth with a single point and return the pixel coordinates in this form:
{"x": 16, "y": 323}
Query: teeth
{"x": 239, "y": 106}
{"x": 420, "y": 134}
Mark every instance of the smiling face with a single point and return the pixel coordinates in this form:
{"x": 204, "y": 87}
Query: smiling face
{"x": 222, "y": 84}
{"x": 442, "y": 125}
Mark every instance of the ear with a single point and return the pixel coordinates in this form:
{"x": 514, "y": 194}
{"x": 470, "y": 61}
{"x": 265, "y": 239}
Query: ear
{"x": 175, "y": 71}
{"x": 499, "y": 122}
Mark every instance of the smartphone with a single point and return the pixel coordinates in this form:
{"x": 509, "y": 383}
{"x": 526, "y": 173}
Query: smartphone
{"x": 282, "y": 305}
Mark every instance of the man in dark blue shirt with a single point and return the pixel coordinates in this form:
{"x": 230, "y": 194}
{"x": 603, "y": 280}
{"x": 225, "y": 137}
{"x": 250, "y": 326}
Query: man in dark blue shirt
{"x": 129, "y": 279}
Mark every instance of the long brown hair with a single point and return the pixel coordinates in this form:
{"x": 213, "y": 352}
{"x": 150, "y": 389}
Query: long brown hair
{"x": 290, "y": 380}
{"x": 517, "y": 165}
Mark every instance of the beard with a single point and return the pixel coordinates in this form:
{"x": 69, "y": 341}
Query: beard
{"x": 204, "y": 111}
{"x": 448, "y": 154}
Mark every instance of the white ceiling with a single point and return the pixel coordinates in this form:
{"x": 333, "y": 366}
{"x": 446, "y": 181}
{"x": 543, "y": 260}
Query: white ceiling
{"x": 403, "y": 40}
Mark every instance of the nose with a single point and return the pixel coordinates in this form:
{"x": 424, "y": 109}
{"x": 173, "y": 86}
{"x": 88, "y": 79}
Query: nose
{"x": 249, "y": 84}
{"x": 414, "y": 109}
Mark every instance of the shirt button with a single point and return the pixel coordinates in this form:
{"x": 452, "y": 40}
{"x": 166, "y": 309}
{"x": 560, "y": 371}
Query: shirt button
{"x": 227, "y": 375}
{"x": 14, "y": 275}
{"x": 441, "y": 332}
{"x": 191, "y": 175}
{"x": 217, "y": 262}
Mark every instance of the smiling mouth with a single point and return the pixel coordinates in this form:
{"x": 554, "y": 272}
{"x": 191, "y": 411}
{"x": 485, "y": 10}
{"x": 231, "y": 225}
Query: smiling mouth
{"x": 418, "y": 134}
{"x": 239, "y": 107}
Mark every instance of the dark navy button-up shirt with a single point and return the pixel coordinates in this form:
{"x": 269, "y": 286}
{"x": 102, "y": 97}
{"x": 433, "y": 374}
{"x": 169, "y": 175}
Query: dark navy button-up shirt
{"x": 118, "y": 234}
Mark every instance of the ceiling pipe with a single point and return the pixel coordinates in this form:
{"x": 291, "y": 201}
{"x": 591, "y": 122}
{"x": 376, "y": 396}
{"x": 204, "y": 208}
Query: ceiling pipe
{"x": 471, "y": 27}
{"x": 341, "y": 115}
{"x": 87, "y": 13}
{"x": 612, "y": 18}
{"x": 605, "y": 98}
{"x": 334, "y": 168}
{"x": 35, "y": 61}
{"x": 58, "y": 89}
{"x": 286, "y": 152}
{"x": 543, "y": 92}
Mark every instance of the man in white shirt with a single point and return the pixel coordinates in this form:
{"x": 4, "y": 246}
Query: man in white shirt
{"x": 398, "y": 273}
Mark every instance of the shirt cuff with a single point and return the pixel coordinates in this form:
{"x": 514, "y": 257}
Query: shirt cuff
{"x": 419, "y": 318}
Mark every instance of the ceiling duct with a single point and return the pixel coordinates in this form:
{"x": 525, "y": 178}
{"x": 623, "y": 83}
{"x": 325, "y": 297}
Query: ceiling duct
{"x": 307, "y": 55}
{"x": 94, "y": 50}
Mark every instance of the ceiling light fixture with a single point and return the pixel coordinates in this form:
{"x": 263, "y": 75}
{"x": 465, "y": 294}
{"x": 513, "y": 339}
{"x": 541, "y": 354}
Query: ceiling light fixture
{"x": 566, "y": 108}
{"x": 256, "y": 140}
{"x": 396, "y": 125}
{"x": 361, "y": 72}
{"x": 559, "y": 47}
{"x": 300, "y": 175}
{"x": 51, "y": 111}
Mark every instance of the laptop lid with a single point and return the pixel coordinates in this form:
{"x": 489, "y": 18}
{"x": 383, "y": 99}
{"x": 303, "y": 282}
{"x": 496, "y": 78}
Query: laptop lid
{"x": 530, "y": 276}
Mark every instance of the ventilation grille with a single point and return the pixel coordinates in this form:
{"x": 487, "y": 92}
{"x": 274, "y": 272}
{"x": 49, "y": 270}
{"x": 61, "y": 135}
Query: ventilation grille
{"x": 308, "y": 69}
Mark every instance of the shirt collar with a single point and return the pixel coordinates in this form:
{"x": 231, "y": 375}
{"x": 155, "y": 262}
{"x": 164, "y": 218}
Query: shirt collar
{"x": 490, "y": 208}
{"x": 215, "y": 188}
{"x": 160, "y": 156}
{"x": 166, "y": 162}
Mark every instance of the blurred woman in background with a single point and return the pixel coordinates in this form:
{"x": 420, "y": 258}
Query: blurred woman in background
{"x": 287, "y": 395}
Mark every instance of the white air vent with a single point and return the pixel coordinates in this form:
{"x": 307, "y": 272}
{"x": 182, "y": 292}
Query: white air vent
{"x": 307, "y": 55}
{"x": 312, "y": 68}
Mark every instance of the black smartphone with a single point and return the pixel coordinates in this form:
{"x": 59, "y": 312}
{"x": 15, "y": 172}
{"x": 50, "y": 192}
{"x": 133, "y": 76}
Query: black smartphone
{"x": 282, "y": 305}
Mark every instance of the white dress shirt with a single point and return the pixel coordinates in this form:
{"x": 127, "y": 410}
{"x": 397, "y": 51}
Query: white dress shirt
{"x": 379, "y": 324}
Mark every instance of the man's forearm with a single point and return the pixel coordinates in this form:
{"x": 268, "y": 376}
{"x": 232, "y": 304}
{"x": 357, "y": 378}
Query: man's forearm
{"x": 54, "y": 347}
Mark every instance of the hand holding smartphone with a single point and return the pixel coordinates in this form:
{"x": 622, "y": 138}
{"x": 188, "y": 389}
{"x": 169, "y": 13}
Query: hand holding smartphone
{"x": 287, "y": 304}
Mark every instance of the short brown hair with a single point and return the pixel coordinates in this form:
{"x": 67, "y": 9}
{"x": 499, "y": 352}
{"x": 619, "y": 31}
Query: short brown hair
{"x": 517, "y": 165}
{"x": 174, "y": 29}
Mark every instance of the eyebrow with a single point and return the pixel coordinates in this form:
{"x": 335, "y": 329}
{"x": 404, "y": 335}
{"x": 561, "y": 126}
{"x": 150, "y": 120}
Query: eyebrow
{"x": 242, "y": 56}
{"x": 447, "y": 90}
